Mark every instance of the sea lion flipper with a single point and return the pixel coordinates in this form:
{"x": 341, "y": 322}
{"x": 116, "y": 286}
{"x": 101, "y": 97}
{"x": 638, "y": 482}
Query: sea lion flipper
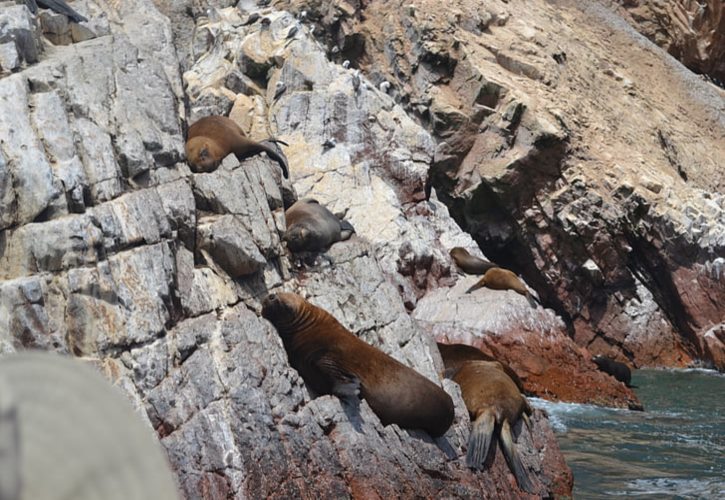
{"x": 346, "y": 230}
{"x": 480, "y": 439}
{"x": 513, "y": 459}
{"x": 344, "y": 383}
{"x": 479, "y": 284}
{"x": 268, "y": 147}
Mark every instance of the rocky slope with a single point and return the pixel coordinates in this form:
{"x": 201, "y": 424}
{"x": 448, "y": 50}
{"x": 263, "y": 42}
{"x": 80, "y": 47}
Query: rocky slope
{"x": 564, "y": 162}
{"x": 692, "y": 32}
{"x": 112, "y": 250}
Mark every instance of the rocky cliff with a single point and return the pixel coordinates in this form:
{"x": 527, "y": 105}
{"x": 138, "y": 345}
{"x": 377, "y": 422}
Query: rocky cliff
{"x": 111, "y": 249}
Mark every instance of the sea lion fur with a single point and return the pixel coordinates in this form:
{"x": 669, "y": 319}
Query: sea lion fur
{"x": 454, "y": 355}
{"x": 616, "y": 369}
{"x": 213, "y": 138}
{"x": 470, "y": 264}
{"x": 494, "y": 403}
{"x": 332, "y": 360}
{"x": 311, "y": 227}
{"x": 498, "y": 278}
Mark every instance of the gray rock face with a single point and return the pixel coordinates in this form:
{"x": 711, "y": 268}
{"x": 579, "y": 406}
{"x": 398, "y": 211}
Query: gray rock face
{"x": 111, "y": 249}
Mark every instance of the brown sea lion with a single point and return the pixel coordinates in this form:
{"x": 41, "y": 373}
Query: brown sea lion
{"x": 494, "y": 403}
{"x": 498, "y": 278}
{"x": 213, "y": 138}
{"x": 334, "y": 361}
{"x": 312, "y": 228}
{"x": 454, "y": 355}
{"x": 468, "y": 263}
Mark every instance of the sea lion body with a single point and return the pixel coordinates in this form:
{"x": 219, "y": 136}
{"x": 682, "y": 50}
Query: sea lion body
{"x": 454, "y": 355}
{"x": 334, "y": 361}
{"x": 312, "y": 228}
{"x": 498, "y": 278}
{"x": 494, "y": 403}
{"x": 468, "y": 263}
{"x": 618, "y": 370}
{"x": 213, "y": 138}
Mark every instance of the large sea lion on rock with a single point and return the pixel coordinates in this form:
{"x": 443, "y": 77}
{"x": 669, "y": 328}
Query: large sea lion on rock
{"x": 332, "y": 360}
{"x": 454, "y": 355}
{"x": 470, "y": 264}
{"x": 213, "y": 138}
{"x": 498, "y": 278}
{"x": 495, "y": 404}
{"x": 312, "y": 228}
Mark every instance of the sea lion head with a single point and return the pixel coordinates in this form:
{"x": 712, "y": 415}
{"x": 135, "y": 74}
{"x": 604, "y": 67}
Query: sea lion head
{"x": 458, "y": 252}
{"x": 297, "y": 238}
{"x": 199, "y": 154}
{"x": 282, "y": 309}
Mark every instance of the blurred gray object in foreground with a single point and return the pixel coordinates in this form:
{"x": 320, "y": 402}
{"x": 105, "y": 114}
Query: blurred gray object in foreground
{"x": 65, "y": 432}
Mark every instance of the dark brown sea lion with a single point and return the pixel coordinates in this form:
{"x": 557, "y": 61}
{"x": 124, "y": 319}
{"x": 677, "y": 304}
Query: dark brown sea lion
{"x": 618, "y": 370}
{"x": 213, "y": 138}
{"x": 454, "y": 355}
{"x": 312, "y": 228}
{"x": 468, "y": 263}
{"x": 494, "y": 403}
{"x": 334, "y": 361}
{"x": 498, "y": 278}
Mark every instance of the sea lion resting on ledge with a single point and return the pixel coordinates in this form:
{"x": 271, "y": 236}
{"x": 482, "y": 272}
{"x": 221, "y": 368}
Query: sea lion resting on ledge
{"x": 498, "y": 278}
{"x": 312, "y": 228}
{"x": 494, "y": 403}
{"x": 332, "y": 360}
{"x": 454, "y": 355}
{"x": 470, "y": 264}
{"x": 213, "y": 138}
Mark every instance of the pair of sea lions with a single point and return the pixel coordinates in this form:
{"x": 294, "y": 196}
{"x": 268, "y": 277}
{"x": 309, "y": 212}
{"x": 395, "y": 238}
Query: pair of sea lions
{"x": 494, "y": 277}
{"x": 213, "y": 138}
{"x": 312, "y": 228}
{"x": 495, "y": 403}
{"x": 332, "y": 360}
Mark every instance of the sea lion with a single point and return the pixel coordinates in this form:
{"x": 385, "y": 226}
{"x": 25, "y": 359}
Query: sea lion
{"x": 334, "y": 361}
{"x": 468, "y": 263}
{"x": 494, "y": 402}
{"x": 454, "y": 355}
{"x": 312, "y": 228}
{"x": 498, "y": 278}
{"x": 213, "y": 138}
{"x": 618, "y": 370}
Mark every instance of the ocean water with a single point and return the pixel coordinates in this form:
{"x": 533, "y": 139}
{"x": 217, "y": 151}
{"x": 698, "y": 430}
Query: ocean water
{"x": 675, "y": 449}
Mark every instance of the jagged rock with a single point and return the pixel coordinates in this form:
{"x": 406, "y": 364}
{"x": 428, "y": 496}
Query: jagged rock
{"x": 230, "y": 245}
{"x": 18, "y": 27}
{"x": 550, "y": 166}
{"x": 693, "y": 32}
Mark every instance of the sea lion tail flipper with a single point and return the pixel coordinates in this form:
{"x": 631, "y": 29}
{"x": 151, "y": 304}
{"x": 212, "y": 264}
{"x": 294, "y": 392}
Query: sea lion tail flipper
{"x": 533, "y": 300}
{"x": 513, "y": 459}
{"x": 480, "y": 439}
{"x": 527, "y": 421}
{"x": 277, "y": 141}
{"x": 480, "y": 284}
{"x": 61, "y": 7}
{"x": 268, "y": 147}
{"x": 346, "y": 229}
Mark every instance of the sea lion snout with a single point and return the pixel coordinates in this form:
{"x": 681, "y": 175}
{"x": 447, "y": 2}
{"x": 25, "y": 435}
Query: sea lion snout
{"x": 280, "y": 308}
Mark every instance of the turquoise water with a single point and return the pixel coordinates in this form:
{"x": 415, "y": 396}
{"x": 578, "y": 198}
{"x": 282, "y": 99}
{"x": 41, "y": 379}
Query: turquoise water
{"x": 673, "y": 450}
